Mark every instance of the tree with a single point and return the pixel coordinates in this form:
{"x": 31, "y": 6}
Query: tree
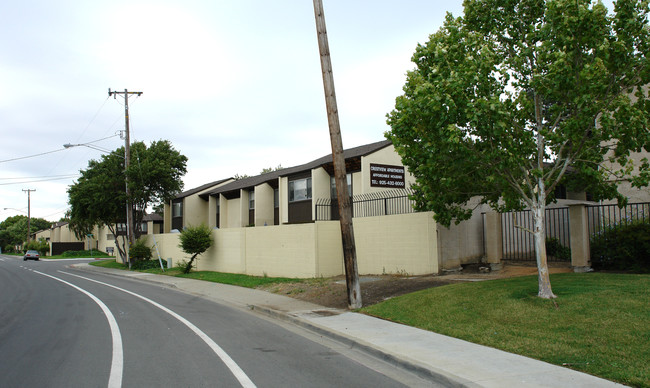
{"x": 98, "y": 197}
{"x": 517, "y": 97}
{"x": 13, "y": 230}
{"x": 194, "y": 241}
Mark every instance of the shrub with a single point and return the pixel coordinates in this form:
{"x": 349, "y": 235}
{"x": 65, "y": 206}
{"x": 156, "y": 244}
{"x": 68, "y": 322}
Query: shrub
{"x": 140, "y": 251}
{"x": 622, "y": 248}
{"x": 42, "y": 246}
{"x": 555, "y": 248}
{"x": 194, "y": 241}
{"x": 148, "y": 264}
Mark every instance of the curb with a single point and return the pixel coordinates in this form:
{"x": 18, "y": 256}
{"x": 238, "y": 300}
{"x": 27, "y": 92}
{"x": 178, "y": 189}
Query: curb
{"x": 428, "y": 373}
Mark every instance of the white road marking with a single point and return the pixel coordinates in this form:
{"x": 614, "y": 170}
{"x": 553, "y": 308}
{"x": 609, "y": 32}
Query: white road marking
{"x": 230, "y": 363}
{"x": 117, "y": 365}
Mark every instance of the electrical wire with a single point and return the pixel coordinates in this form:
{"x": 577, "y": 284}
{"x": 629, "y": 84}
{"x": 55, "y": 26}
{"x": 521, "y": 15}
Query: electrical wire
{"x": 39, "y": 180}
{"x": 32, "y": 156}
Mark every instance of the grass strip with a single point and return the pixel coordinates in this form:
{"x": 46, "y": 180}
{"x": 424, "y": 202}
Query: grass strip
{"x": 598, "y": 325}
{"x": 210, "y": 276}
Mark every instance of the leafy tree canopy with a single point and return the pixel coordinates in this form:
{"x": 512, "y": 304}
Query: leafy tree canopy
{"x": 517, "y": 97}
{"x": 13, "y": 230}
{"x": 99, "y": 195}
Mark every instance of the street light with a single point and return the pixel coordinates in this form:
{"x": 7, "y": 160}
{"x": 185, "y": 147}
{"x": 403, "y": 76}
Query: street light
{"x": 94, "y": 147}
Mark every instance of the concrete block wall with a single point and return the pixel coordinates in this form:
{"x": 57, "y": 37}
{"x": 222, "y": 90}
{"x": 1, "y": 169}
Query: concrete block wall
{"x": 390, "y": 244}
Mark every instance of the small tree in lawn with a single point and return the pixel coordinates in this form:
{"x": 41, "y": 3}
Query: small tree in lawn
{"x": 194, "y": 241}
{"x": 517, "y": 97}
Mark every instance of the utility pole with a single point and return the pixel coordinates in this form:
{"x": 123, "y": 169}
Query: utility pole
{"x": 29, "y": 214}
{"x": 345, "y": 210}
{"x": 127, "y": 158}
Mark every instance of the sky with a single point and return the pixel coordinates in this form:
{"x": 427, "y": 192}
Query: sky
{"x": 235, "y": 86}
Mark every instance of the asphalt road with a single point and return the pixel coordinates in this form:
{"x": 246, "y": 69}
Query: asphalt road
{"x": 61, "y": 327}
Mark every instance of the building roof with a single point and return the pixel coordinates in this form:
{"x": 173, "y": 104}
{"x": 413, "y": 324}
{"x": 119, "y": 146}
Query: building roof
{"x": 271, "y": 177}
{"x": 201, "y": 188}
{"x": 152, "y": 217}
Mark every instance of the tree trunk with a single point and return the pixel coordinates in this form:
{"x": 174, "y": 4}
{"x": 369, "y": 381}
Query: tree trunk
{"x": 539, "y": 234}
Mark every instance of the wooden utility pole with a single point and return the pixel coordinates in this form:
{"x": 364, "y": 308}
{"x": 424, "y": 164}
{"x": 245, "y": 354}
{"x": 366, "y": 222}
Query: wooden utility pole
{"x": 345, "y": 210}
{"x": 29, "y": 214}
{"x": 130, "y": 235}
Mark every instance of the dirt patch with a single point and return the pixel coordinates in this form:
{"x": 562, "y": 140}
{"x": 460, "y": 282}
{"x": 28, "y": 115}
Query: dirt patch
{"x": 332, "y": 292}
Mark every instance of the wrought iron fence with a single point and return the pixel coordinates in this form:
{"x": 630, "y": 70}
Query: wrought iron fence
{"x": 368, "y": 205}
{"x": 519, "y": 243}
{"x": 604, "y": 217}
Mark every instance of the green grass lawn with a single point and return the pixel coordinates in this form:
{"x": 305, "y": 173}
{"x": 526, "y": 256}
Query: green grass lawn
{"x": 210, "y": 276}
{"x": 599, "y": 324}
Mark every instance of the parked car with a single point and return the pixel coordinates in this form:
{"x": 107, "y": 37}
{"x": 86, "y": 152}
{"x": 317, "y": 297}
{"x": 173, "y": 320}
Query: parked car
{"x": 31, "y": 255}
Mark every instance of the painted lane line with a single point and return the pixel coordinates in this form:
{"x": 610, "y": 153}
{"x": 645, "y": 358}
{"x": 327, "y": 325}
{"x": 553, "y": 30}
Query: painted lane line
{"x": 117, "y": 365}
{"x": 230, "y": 363}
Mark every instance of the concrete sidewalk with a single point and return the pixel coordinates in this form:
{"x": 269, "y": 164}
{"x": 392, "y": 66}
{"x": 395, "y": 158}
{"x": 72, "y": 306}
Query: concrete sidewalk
{"x": 447, "y": 360}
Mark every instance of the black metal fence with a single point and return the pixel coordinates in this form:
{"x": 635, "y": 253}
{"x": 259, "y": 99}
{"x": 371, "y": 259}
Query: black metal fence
{"x": 519, "y": 243}
{"x": 368, "y": 205}
{"x": 604, "y": 217}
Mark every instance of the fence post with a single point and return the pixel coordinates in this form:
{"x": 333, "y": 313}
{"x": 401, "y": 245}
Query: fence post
{"x": 493, "y": 240}
{"x": 579, "y": 230}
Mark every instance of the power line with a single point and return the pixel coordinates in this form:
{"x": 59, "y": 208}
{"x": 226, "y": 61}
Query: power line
{"x": 39, "y": 180}
{"x": 31, "y": 156}
{"x": 50, "y": 152}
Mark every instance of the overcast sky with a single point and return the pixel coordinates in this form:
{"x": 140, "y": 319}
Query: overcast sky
{"x": 235, "y": 85}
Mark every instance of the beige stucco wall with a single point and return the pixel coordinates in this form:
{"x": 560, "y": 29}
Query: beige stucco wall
{"x": 233, "y": 213}
{"x": 320, "y": 188}
{"x": 385, "y": 155}
{"x": 283, "y": 191}
{"x": 264, "y": 205}
{"x": 195, "y": 211}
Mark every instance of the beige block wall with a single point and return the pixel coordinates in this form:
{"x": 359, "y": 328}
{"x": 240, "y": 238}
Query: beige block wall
{"x": 403, "y": 243}
{"x": 281, "y": 251}
{"x": 329, "y": 249}
{"x": 228, "y": 252}
{"x": 462, "y": 243}
{"x": 390, "y": 244}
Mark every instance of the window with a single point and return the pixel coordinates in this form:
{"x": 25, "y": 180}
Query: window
{"x": 144, "y": 228}
{"x": 251, "y": 200}
{"x": 177, "y": 209}
{"x": 333, "y": 186}
{"x": 276, "y": 198}
{"x": 300, "y": 190}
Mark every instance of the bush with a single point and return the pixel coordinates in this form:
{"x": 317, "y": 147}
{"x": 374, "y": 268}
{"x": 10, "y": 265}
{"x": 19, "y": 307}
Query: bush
{"x": 555, "y": 248}
{"x": 622, "y": 248}
{"x": 140, "y": 251}
{"x": 194, "y": 241}
{"x": 148, "y": 264}
{"x": 42, "y": 246}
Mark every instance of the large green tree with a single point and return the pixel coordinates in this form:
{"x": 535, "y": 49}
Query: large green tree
{"x": 13, "y": 230}
{"x": 99, "y": 195}
{"x": 517, "y": 97}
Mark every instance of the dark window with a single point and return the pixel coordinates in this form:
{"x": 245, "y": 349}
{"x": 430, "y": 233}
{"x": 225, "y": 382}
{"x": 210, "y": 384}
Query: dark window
{"x": 300, "y": 190}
